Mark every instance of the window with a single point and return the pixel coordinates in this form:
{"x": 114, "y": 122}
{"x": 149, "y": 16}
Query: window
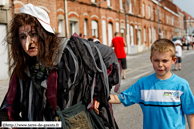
{"x": 85, "y": 26}
{"x": 153, "y": 38}
{"x": 143, "y": 10}
{"x": 130, "y": 7}
{"x": 93, "y": 1}
{"x": 104, "y": 39}
{"x": 144, "y": 31}
{"x": 72, "y": 28}
{"x": 121, "y": 4}
{"x": 110, "y": 34}
{"x": 150, "y": 35}
{"x": 139, "y": 9}
{"x": 122, "y": 32}
{"x": 95, "y": 28}
{"x": 154, "y": 14}
{"x": 132, "y": 35}
{"x": 139, "y": 37}
{"x": 74, "y": 25}
{"x": 149, "y": 12}
{"x": 153, "y": 34}
{"x": 172, "y": 20}
{"x": 61, "y": 26}
{"x": 127, "y": 34}
{"x": 108, "y": 3}
{"x": 117, "y": 26}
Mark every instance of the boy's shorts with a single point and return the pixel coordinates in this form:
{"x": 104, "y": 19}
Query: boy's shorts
{"x": 178, "y": 60}
{"x": 123, "y": 63}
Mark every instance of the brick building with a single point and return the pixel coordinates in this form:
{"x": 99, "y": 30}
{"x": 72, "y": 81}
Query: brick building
{"x": 188, "y": 24}
{"x": 4, "y": 19}
{"x": 140, "y": 22}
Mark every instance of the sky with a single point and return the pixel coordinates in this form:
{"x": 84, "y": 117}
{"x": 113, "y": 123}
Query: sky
{"x": 185, "y": 5}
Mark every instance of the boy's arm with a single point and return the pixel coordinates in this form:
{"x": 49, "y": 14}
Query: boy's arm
{"x": 190, "y": 119}
{"x": 114, "y": 99}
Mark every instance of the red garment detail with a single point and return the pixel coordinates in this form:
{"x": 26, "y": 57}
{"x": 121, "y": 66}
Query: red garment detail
{"x": 94, "y": 99}
{"x": 118, "y": 44}
{"x": 120, "y": 64}
{"x": 76, "y": 35}
{"x": 52, "y": 89}
{"x": 12, "y": 89}
{"x": 10, "y": 113}
{"x": 109, "y": 71}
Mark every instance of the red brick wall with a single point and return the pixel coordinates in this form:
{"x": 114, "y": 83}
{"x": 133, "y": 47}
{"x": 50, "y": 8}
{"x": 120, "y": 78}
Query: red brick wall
{"x": 82, "y": 9}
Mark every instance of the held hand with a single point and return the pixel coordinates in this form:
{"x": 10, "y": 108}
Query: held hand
{"x": 96, "y": 106}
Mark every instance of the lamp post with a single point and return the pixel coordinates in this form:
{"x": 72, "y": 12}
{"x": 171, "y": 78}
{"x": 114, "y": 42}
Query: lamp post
{"x": 66, "y": 18}
{"x": 189, "y": 25}
{"x": 126, "y": 2}
{"x": 158, "y": 20}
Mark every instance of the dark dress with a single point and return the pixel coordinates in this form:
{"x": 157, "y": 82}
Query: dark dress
{"x": 83, "y": 72}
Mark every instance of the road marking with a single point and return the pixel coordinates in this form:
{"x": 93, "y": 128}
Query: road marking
{"x": 140, "y": 75}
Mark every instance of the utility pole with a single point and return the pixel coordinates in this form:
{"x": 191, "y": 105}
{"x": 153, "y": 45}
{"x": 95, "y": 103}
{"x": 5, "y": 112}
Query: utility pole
{"x": 126, "y": 23}
{"x": 12, "y": 8}
{"x": 158, "y": 20}
{"x": 66, "y": 19}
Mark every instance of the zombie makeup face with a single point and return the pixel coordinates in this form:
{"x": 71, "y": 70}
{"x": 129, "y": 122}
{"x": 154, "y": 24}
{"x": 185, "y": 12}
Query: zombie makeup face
{"x": 29, "y": 40}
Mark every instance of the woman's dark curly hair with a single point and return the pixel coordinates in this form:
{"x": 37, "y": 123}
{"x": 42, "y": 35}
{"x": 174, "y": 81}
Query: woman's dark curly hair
{"x": 47, "y": 44}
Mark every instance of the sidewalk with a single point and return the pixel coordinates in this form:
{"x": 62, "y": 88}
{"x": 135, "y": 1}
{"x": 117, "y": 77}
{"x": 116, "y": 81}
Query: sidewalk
{"x": 3, "y": 88}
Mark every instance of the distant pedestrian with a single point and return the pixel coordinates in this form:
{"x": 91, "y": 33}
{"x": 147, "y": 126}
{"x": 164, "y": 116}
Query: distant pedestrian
{"x": 85, "y": 36}
{"x": 192, "y": 42}
{"x": 183, "y": 42}
{"x": 95, "y": 39}
{"x": 119, "y": 48}
{"x": 163, "y": 96}
{"x": 81, "y": 35}
{"x": 178, "y": 54}
{"x": 90, "y": 39}
{"x": 188, "y": 41}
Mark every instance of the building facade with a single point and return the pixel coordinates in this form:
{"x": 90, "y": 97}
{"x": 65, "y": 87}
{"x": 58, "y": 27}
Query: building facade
{"x": 140, "y": 22}
{"x": 188, "y": 24}
{"x": 4, "y": 20}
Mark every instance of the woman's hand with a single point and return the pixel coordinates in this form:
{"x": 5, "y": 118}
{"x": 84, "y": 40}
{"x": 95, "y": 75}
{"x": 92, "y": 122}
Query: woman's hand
{"x": 96, "y": 106}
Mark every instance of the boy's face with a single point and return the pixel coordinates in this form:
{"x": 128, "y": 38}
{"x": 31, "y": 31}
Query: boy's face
{"x": 162, "y": 64}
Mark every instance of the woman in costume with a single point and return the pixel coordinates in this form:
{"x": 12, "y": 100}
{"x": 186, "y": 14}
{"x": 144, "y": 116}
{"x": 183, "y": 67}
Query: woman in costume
{"x": 57, "y": 78}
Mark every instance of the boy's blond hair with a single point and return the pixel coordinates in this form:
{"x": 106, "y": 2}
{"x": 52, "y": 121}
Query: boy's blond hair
{"x": 163, "y": 45}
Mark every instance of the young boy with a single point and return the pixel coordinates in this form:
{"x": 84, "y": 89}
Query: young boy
{"x": 163, "y": 96}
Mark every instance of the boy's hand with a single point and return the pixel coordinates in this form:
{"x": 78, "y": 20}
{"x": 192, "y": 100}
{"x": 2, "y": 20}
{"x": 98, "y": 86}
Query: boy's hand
{"x": 96, "y": 106}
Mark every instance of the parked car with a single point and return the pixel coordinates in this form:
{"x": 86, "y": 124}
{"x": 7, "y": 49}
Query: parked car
{"x": 175, "y": 38}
